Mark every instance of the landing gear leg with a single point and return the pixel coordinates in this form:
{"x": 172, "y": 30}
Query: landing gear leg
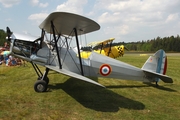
{"x": 42, "y": 84}
{"x": 45, "y": 79}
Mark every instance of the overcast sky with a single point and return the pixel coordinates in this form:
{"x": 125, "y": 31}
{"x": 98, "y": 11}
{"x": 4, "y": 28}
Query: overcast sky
{"x": 125, "y": 20}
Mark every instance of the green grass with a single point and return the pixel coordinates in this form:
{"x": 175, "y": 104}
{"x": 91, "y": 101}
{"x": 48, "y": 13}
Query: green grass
{"x": 71, "y": 99}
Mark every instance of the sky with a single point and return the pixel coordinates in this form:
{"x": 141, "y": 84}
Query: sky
{"x": 124, "y": 20}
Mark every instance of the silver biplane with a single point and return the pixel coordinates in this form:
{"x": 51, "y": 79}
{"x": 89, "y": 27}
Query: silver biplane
{"x": 55, "y": 53}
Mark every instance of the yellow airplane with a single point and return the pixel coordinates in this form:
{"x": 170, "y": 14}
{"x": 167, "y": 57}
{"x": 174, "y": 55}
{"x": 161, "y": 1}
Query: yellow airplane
{"x": 105, "y": 48}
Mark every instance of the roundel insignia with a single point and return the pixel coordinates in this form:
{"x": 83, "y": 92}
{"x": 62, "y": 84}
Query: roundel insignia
{"x": 105, "y": 69}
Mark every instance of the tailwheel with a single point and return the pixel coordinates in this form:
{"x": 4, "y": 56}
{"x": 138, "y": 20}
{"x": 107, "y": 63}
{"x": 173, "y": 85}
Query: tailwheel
{"x": 40, "y": 86}
{"x": 46, "y": 79}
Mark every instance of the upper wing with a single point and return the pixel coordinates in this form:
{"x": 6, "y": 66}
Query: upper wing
{"x": 66, "y": 22}
{"x": 72, "y": 74}
{"x": 106, "y": 41}
{"x": 164, "y": 78}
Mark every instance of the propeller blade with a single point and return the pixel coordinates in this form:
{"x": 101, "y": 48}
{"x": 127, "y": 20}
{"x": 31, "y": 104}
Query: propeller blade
{"x": 126, "y": 48}
{"x": 9, "y": 33}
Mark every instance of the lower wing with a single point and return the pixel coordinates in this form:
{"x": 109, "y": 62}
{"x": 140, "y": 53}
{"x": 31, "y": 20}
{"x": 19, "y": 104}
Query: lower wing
{"x": 72, "y": 74}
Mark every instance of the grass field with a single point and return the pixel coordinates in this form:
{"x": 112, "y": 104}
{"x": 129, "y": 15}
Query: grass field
{"x": 71, "y": 99}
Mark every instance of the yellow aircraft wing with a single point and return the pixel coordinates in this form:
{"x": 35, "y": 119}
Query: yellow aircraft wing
{"x": 104, "y": 42}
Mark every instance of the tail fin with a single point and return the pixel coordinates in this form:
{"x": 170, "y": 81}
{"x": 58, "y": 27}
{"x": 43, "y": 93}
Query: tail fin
{"x": 156, "y": 64}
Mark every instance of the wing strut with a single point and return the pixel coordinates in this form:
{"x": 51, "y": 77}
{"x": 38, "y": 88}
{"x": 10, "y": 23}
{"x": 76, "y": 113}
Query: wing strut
{"x": 42, "y": 37}
{"x": 101, "y": 47}
{"x": 56, "y": 46}
{"x": 77, "y": 42}
{"x": 110, "y": 48}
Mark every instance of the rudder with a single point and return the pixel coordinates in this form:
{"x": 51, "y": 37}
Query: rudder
{"x": 156, "y": 63}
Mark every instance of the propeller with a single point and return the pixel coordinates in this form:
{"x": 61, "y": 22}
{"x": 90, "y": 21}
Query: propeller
{"x": 9, "y": 33}
{"x": 126, "y": 48}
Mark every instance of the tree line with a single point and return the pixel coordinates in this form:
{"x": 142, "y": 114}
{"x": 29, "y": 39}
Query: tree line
{"x": 2, "y": 37}
{"x": 169, "y": 44}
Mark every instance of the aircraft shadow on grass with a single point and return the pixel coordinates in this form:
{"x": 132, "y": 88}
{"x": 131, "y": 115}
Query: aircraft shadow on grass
{"x": 143, "y": 85}
{"x": 95, "y": 97}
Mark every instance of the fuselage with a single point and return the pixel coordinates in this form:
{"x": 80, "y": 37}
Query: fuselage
{"x": 96, "y": 65}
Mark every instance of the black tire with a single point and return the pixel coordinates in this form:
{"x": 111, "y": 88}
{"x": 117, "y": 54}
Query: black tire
{"x": 40, "y": 86}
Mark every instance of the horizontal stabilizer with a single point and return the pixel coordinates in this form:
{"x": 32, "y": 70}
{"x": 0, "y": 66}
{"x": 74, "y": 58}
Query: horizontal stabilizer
{"x": 164, "y": 78}
{"x": 72, "y": 74}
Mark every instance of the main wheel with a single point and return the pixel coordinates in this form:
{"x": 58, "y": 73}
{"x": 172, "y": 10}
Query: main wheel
{"x": 40, "y": 86}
